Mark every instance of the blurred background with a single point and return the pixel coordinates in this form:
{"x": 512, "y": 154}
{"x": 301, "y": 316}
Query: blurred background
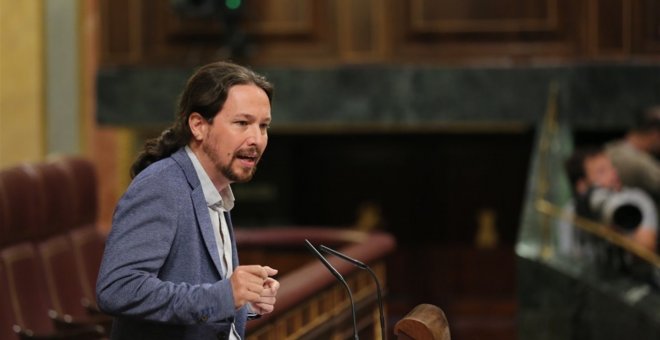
{"x": 414, "y": 117}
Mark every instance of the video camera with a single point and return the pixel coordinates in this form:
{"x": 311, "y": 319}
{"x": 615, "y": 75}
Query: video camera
{"x": 626, "y": 209}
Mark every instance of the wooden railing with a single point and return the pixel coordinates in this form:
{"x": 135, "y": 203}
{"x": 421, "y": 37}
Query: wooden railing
{"x": 311, "y": 304}
{"x": 549, "y": 209}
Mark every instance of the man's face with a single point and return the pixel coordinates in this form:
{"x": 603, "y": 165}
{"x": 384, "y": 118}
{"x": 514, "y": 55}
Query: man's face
{"x": 235, "y": 140}
{"x": 600, "y": 172}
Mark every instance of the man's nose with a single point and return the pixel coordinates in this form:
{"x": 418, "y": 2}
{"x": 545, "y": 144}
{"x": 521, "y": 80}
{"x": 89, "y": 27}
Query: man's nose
{"x": 257, "y": 136}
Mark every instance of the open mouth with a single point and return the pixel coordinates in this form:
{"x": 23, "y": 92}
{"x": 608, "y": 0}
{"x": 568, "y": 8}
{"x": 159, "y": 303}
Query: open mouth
{"x": 250, "y": 158}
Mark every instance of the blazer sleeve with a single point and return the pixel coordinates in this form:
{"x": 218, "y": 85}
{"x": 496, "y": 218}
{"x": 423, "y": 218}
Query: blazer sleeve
{"x": 144, "y": 227}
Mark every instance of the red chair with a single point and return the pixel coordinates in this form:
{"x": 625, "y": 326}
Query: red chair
{"x": 7, "y": 319}
{"x": 31, "y": 302}
{"x": 24, "y": 205}
{"x": 58, "y": 190}
{"x": 88, "y": 244}
{"x": 85, "y": 186}
{"x": 5, "y": 237}
{"x": 62, "y": 277}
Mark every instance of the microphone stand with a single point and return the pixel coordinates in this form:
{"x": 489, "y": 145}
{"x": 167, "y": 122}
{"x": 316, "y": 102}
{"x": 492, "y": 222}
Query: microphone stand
{"x": 340, "y": 278}
{"x": 361, "y": 265}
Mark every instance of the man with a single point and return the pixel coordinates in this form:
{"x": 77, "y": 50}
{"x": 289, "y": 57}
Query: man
{"x": 170, "y": 268}
{"x": 590, "y": 169}
{"x": 634, "y": 156}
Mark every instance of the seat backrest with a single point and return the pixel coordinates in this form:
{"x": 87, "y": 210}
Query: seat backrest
{"x": 59, "y": 196}
{"x": 24, "y": 204}
{"x": 7, "y": 318}
{"x": 26, "y": 284}
{"x": 5, "y": 236}
{"x": 424, "y": 322}
{"x": 88, "y": 244}
{"x": 85, "y": 185}
{"x": 62, "y": 276}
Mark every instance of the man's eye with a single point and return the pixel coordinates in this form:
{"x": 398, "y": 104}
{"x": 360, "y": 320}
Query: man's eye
{"x": 242, "y": 123}
{"x": 265, "y": 126}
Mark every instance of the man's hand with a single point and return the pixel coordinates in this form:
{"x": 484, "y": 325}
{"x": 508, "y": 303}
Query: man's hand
{"x": 266, "y": 302}
{"x": 248, "y": 284}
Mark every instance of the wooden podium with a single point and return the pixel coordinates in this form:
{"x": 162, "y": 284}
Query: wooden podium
{"x": 311, "y": 304}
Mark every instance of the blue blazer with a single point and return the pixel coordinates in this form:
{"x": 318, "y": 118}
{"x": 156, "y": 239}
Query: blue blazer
{"x": 161, "y": 275}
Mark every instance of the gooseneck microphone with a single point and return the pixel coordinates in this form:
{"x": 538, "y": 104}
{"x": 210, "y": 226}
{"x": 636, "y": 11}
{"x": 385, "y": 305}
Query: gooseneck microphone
{"x": 340, "y": 278}
{"x": 361, "y": 265}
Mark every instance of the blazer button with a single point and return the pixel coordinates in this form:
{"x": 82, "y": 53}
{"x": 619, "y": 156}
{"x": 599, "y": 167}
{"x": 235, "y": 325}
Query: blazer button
{"x": 203, "y": 318}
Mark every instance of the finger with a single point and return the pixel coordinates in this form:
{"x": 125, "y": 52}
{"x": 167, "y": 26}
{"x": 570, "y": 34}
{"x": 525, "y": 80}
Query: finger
{"x": 271, "y": 284}
{"x": 263, "y": 308}
{"x": 254, "y": 270}
{"x": 244, "y": 296}
{"x": 270, "y": 271}
{"x": 269, "y": 300}
{"x": 248, "y": 276}
{"x": 268, "y": 293}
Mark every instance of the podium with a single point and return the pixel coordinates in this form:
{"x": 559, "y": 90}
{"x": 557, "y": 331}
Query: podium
{"x": 311, "y": 304}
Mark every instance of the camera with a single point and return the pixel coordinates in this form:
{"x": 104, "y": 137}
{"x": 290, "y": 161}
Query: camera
{"x": 626, "y": 209}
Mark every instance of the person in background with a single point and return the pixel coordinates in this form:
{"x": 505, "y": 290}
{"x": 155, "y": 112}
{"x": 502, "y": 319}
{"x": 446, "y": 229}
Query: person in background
{"x": 634, "y": 156}
{"x": 597, "y": 190}
{"x": 170, "y": 268}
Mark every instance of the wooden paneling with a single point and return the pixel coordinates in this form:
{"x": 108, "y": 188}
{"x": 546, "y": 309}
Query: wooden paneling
{"x": 479, "y": 30}
{"x": 272, "y": 18}
{"x": 446, "y": 16}
{"x": 362, "y": 30}
{"x": 295, "y": 32}
{"x": 646, "y": 27}
{"x": 120, "y": 31}
{"x": 153, "y": 32}
{"x": 612, "y": 26}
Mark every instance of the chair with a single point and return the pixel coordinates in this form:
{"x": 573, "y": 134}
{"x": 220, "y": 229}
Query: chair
{"x": 7, "y": 319}
{"x": 88, "y": 244}
{"x": 62, "y": 277}
{"x": 57, "y": 188}
{"x": 24, "y": 204}
{"x": 424, "y": 322}
{"x": 5, "y": 236}
{"x": 64, "y": 283}
{"x": 85, "y": 186}
{"x": 30, "y": 300}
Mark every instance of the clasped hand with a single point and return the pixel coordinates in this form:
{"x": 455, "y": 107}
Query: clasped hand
{"x": 254, "y": 285}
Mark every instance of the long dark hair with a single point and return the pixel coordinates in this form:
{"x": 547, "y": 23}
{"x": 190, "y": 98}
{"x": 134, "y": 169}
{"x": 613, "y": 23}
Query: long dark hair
{"x": 205, "y": 93}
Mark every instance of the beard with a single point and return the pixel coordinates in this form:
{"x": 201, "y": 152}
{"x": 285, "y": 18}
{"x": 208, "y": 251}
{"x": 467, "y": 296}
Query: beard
{"x": 227, "y": 170}
{"x": 234, "y": 177}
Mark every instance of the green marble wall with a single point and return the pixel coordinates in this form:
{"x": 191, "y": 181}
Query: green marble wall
{"x": 592, "y": 96}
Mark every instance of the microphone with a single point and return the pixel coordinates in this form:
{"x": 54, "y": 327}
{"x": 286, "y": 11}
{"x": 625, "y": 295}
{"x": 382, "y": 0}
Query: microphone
{"x": 340, "y": 278}
{"x": 361, "y": 265}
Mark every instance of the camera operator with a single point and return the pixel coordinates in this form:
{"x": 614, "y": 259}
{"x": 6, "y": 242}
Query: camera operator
{"x": 599, "y": 195}
{"x": 635, "y": 156}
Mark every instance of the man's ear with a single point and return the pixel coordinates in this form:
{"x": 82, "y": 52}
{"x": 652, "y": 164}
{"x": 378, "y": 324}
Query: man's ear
{"x": 198, "y": 126}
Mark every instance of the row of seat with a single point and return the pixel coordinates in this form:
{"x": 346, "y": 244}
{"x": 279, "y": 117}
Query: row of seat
{"x": 50, "y": 251}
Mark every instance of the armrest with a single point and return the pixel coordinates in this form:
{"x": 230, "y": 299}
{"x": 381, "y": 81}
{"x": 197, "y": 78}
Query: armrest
{"x": 91, "y": 307}
{"x": 66, "y": 322}
{"x": 90, "y": 333}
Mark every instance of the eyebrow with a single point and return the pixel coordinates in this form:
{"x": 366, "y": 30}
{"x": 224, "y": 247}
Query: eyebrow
{"x": 251, "y": 117}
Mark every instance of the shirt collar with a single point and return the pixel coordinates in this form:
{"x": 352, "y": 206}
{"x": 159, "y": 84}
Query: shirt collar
{"x": 214, "y": 199}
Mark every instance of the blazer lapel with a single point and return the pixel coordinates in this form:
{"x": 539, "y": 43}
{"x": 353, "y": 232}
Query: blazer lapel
{"x": 206, "y": 227}
{"x": 200, "y": 206}
{"x": 234, "y": 252}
